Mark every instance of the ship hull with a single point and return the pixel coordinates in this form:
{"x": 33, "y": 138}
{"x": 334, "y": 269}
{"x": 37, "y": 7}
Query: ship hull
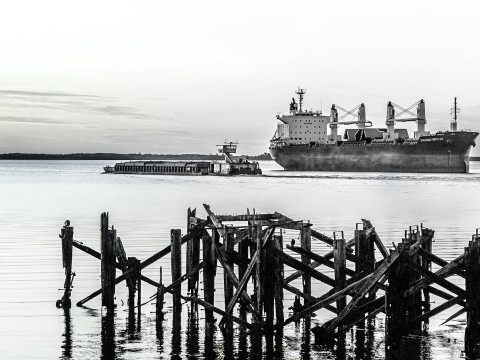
{"x": 441, "y": 153}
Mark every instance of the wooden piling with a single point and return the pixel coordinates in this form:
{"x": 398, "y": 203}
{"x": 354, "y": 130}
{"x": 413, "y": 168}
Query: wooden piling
{"x": 306, "y": 243}
{"x": 193, "y": 253}
{"x": 258, "y": 272}
{"x": 397, "y": 325}
{"x": 269, "y": 289}
{"x": 339, "y": 255}
{"x": 107, "y": 264}
{"x": 67, "y": 247}
{"x": 208, "y": 278}
{"x": 414, "y": 301}
{"x": 243, "y": 257}
{"x": 176, "y": 263}
{"x": 472, "y": 287}
{"x": 228, "y": 247}
{"x": 278, "y": 290}
{"x": 160, "y": 301}
{"x": 427, "y": 265}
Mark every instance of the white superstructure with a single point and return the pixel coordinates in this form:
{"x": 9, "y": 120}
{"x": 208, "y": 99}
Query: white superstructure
{"x": 301, "y": 127}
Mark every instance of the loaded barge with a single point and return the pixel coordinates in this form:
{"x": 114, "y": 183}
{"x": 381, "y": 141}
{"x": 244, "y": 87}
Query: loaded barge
{"x": 302, "y": 142}
{"x": 229, "y": 166}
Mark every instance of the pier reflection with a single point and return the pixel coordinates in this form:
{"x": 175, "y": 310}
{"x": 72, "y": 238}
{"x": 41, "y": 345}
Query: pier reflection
{"x": 192, "y": 333}
{"x": 67, "y": 335}
{"x": 210, "y": 351}
{"x": 176, "y": 336}
{"x": 108, "y": 337}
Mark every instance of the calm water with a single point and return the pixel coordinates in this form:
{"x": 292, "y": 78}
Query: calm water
{"x": 37, "y": 197}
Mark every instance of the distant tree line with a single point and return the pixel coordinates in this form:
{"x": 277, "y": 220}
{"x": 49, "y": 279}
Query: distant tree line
{"x": 113, "y": 156}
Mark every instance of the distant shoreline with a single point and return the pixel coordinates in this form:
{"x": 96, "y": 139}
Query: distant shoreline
{"x": 114, "y": 156}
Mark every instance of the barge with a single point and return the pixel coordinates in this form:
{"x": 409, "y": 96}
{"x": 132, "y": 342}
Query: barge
{"x": 229, "y": 166}
{"x": 302, "y": 142}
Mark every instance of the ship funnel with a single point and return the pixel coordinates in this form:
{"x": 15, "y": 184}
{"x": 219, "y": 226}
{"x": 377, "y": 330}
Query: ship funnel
{"x": 390, "y": 121}
{"x": 361, "y": 117}
{"x": 421, "y": 119}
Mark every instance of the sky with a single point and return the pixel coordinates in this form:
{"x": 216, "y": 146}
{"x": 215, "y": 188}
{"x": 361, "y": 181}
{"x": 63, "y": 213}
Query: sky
{"x": 183, "y": 76}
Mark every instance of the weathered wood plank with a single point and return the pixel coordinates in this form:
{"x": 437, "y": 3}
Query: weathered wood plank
{"x": 368, "y": 285}
{"x": 298, "y": 265}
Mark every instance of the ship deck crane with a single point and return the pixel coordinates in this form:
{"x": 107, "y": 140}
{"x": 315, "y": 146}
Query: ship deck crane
{"x": 419, "y": 117}
{"x": 358, "y": 111}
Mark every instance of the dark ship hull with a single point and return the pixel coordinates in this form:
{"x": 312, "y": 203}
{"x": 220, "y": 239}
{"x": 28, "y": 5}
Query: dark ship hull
{"x": 446, "y": 152}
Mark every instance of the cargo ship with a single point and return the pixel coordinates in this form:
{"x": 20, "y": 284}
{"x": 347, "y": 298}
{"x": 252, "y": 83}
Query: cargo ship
{"x": 309, "y": 141}
{"x": 229, "y": 166}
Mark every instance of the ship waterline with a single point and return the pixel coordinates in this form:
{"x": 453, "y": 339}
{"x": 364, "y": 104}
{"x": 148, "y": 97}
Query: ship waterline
{"x": 448, "y": 152}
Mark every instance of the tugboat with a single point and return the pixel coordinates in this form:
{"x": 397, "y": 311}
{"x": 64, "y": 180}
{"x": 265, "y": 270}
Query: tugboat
{"x": 229, "y": 166}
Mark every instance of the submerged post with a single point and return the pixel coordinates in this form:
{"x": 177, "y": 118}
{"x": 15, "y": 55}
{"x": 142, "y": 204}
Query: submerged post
{"x": 339, "y": 254}
{"x": 228, "y": 247}
{"x": 193, "y": 254}
{"x": 160, "y": 301}
{"x": 306, "y": 243}
{"x": 208, "y": 277}
{"x": 397, "y": 325}
{"x": 258, "y": 273}
{"x": 67, "y": 241}
{"x": 278, "y": 244}
{"x": 243, "y": 255}
{"x": 108, "y": 264}
{"x": 176, "y": 262}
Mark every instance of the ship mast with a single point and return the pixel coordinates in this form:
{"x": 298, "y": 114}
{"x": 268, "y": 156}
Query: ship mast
{"x": 300, "y": 93}
{"x": 454, "y": 111}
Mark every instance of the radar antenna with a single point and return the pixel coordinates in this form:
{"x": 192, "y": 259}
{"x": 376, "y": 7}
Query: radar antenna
{"x": 300, "y": 93}
{"x": 454, "y": 111}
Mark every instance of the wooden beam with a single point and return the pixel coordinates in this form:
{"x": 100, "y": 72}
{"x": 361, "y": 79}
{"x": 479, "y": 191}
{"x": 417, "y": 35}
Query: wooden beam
{"x": 448, "y": 270}
{"x": 298, "y": 265}
{"x": 245, "y": 217}
{"x": 368, "y": 285}
{"x": 318, "y": 258}
{"x": 433, "y": 277}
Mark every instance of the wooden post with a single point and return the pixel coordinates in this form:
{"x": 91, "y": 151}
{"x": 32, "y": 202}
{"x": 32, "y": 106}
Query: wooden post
{"x": 258, "y": 273}
{"x": 243, "y": 255}
{"x": 339, "y": 255}
{"x": 414, "y": 301}
{"x": 427, "y": 264}
{"x": 278, "y": 290}
{"x": 269, "y": 290}
{"x": 67, "y": 241}
{"x": 306, "y": 243}
{"x": 138, "y": 274}
{"x": 160, "y": 300}
{"x": 193, "y": 254}
{"x": 108, "y": 264}
{"x": 208, "y": 278}
{"x": 228, "y": 285}
{"x": 176, "y": 262}
{"x": 397, "y": 324}
{"x": 472, "y": 287}
{"x": 132, "y": 288}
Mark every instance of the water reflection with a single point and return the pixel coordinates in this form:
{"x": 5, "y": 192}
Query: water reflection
{"x": 210, "y": 351}
{"x": 176, "y": 336}
{"x": 67, "y": 335}
{"x": 192, "y": 333}
{"x": 108, "y": 337}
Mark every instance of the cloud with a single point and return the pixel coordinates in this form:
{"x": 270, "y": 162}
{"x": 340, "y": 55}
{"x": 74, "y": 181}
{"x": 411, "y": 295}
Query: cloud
{"x": 44, "y": 93}
{"x": 31, "y": 120}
